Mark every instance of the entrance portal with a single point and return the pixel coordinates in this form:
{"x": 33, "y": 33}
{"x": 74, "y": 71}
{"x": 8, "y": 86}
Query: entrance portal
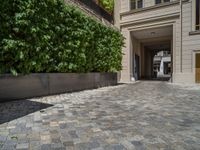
{"x": 146, "y": 44}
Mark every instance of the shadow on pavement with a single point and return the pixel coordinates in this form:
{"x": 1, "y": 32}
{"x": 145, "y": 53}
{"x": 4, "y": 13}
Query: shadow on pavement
{"x": 16, "y": 109}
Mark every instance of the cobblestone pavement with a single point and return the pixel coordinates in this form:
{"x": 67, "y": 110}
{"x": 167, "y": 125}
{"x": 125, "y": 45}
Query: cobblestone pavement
{"x": 148, "y": 115}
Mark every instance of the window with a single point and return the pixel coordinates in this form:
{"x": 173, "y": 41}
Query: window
{"x": 197, "y": 14}
{"x": 158, "y": 1}
{"x": 139, "y": 4}
{"x": 135, "y": 4}
{"x": 161, "y": 1}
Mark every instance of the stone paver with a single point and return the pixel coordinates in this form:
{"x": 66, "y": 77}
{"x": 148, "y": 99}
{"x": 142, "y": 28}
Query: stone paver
{"x": 148, "y": 115}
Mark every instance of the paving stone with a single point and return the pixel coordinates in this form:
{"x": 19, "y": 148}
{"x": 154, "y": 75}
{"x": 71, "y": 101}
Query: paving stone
{"x": 114, "y": 147}
{"x": 1, "y": 144}
{"x": 35, "y": 145}
{"x": 99, "y": 148}
{"x": 149, "y": 115}
{"x": 73, "y": 134}
{"x": 57, "y": 145}
{"x": 9, "y": 144}
{"x": 138, "y": 145}
{"x": 128, "y": 145}
{"x": 3, "y": 138}
{"x": 45, "y": 146}
{"x": 68, "y": 143}
{"x": 8, "y": 147}
{"x": 22, "y": 146}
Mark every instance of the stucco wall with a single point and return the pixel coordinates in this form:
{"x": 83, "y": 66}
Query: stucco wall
{"x": 184, "y": 45}
{"x": 190, "y": 44}
{"x": 125, "y": 74}
{"x": 124, "y": 6}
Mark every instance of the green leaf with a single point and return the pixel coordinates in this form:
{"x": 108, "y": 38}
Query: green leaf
{"x": 14, "y": 72}
{"x": 21, "y": 56}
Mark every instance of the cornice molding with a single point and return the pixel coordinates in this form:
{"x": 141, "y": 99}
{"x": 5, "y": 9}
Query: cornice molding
{"x": 151, "y": 19}
{"x": 158, "y": 6}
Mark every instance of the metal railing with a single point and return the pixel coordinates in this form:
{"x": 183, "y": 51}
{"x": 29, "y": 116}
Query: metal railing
{"x": 98, "y": 9}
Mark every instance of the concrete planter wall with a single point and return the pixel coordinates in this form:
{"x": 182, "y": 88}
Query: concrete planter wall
{"x": 43, "y": 84}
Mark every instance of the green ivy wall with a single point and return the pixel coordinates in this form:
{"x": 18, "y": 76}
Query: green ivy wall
{"x": 50, "y": 36}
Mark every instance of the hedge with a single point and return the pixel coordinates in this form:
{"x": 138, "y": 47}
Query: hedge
{"x": 50, "y": 36}
{"x": 108, "y": 5}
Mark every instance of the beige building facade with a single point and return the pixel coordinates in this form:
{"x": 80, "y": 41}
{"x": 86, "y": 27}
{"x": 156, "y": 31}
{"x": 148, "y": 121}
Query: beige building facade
{"x": 150, "y": 26}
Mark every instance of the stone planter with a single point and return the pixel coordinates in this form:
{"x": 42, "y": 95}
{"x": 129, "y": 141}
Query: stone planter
{"x": 43, "y": 84}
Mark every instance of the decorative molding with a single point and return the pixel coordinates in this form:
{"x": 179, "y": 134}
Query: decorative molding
{"x": 194, "y": 32}
{"x": 149, "y": 8}
{"x": 151, "y": 19}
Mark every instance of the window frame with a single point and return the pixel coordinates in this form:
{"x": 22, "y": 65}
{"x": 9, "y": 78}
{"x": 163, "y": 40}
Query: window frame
{"x": 197, "y": 25}
{"x": 136, "y": 4}
{"x": 162, "y": 1}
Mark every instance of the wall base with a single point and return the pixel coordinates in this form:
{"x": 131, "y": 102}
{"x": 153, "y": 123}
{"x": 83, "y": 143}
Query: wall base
{"x": 43, "y": 84}
{"x": 188, "y": 78}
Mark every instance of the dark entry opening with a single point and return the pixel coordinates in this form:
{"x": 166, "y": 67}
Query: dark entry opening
{"x": 137, "y": 67}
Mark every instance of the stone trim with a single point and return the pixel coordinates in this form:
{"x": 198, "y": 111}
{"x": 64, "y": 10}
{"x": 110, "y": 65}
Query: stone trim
{"x": 151, "y": 19}
{"x": 152, "y": 7}
{"x": 149, "y": 8}
{"x": 194, "y": 32}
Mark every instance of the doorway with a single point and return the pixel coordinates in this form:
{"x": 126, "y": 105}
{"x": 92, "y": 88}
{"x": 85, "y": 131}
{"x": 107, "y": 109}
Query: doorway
{"x": 137, "y": 67}
{"x": 197, "y": 68}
